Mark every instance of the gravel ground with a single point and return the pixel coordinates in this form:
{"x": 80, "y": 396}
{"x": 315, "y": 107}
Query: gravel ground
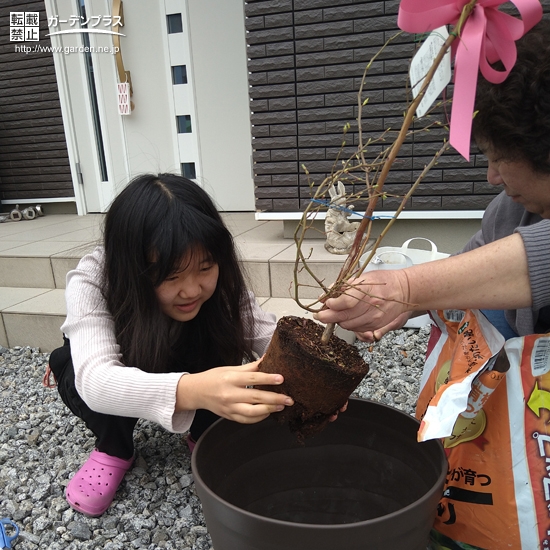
{"x": 42, "y": 445}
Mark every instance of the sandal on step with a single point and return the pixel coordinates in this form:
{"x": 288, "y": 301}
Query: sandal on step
{"x": 93, "y": 487}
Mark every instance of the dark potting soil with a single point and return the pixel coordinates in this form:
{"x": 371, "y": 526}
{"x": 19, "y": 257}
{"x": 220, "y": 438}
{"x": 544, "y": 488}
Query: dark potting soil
{"x": 319, "y": 378}
{"x": 307, "y": 335}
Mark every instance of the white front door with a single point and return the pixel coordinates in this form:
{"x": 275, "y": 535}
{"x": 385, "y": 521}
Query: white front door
{"x": 187, "y": 61}
{"x": 84, "y": 66}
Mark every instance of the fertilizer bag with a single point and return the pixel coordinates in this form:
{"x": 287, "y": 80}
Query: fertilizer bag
{"x": 489, "y": 402}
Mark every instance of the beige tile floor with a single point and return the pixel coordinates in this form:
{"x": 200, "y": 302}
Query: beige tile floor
{"x": 36, "y": 254}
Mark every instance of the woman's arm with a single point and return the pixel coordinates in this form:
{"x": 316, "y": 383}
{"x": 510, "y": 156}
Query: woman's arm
{"x": 494, "y": 276}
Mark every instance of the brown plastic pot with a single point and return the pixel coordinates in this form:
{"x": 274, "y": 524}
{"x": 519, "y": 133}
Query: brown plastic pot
{"x": 363, "y": 483}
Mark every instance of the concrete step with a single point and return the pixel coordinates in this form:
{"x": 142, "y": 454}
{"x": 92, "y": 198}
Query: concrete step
{"x": 38, "y": 271}
{"x": 33, "y": 316}
{"x": 36, "y": 255}
{"x": 32, "y": 285}
{"x": 270, "y": 271}
{"x": 32, "y": 291}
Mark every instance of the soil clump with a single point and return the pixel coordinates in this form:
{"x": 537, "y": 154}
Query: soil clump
{"x": 319, "y": 378}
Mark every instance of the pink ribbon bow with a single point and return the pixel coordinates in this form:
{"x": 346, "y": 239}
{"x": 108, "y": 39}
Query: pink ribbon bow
{"x": 487, "y": 36}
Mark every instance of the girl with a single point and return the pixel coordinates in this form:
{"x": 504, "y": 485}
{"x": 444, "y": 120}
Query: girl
{"x": 151, "y": 316}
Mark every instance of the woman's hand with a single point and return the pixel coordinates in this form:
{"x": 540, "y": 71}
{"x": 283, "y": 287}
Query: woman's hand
{"x": 493, "y": 276}
{"x": 376, "y": 335}
{"x": 226, "y": 392}
{"x": 372, "y": 301}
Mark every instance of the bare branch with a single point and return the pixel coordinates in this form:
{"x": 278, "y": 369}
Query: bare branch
{"x": 373, "y": 174}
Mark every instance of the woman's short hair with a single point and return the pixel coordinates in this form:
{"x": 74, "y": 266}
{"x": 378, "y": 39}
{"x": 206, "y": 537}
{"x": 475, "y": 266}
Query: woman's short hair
{"x": 513, "y": 118}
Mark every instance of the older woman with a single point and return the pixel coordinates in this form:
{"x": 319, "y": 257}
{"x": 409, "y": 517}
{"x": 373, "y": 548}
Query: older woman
{"x": 506, "y": 265}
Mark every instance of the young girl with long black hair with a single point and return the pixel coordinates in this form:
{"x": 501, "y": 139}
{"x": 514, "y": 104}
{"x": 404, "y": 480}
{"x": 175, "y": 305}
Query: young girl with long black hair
{"x": 152, "y": 315}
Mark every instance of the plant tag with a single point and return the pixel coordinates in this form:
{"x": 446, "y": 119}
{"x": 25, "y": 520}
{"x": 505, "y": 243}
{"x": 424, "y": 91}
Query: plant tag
{"x": 422, "y": 63}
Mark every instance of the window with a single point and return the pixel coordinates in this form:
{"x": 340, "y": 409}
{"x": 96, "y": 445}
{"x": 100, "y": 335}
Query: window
{"x": 179, "y": 74}
{"x": 184, "y": 124}
{"x": 188, "y": 170}
{"x": 174, "y": 23}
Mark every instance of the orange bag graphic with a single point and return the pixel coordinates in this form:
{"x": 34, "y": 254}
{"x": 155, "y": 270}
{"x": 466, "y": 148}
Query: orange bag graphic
{"x": 497, "y": 492}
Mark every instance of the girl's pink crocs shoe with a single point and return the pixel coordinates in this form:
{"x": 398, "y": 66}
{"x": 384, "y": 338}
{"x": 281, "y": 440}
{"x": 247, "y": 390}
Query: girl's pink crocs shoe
{"x": 93, "y": 487}
{"x": 191, "y": 443}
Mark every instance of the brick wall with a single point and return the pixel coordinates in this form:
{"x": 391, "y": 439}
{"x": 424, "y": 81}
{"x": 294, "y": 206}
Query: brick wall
{"x": 306, "y": 61}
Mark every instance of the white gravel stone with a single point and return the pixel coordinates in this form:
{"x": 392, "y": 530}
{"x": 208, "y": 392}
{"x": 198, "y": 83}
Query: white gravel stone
{"x": 42, "y": 445}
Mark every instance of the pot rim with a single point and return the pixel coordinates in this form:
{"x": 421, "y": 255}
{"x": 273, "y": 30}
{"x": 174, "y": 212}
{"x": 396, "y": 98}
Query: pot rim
{"x": 257, "y": 517}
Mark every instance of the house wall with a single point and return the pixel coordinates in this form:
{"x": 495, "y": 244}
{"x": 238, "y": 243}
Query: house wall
{"x": 306, "y": 61}
{"x": 217, "y": 37}
{"x": 34, "y": 163}
{"x": 210, "y": 42}
{"x": 287, "y": 105}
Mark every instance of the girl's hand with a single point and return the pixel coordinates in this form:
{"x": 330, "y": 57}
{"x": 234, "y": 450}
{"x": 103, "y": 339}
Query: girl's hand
{"x": 335, "y": 416}
{"x": 226, "y": 392}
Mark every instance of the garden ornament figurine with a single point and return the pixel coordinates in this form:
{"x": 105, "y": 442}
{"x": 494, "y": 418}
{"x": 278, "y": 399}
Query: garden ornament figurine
{"x": 339, "y": 231}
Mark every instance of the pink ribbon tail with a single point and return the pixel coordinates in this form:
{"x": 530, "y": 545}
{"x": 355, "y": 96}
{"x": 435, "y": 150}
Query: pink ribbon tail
{"x": 487, "y": 36}
{"x": 466, "y": 71}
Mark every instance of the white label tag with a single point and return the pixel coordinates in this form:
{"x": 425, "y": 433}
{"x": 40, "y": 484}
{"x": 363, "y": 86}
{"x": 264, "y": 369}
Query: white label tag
{"x": 123, "y": 93}
{"x": 454, "y": 315}
{"x": 540, "y": 357}
{"x": 422, "y": 63}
